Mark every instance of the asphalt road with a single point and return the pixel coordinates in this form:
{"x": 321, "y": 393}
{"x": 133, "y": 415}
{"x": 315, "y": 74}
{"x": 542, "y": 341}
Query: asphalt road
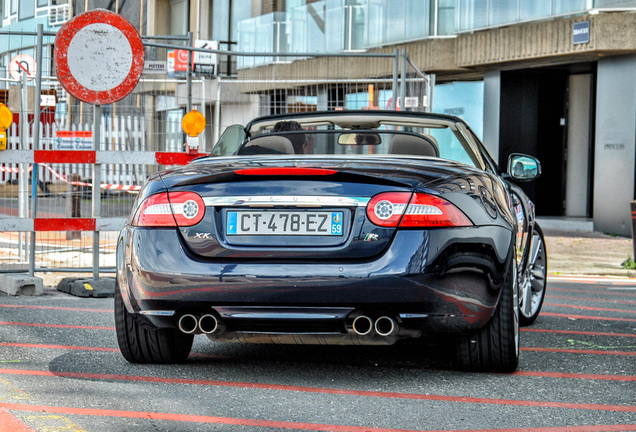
{"x": 60, "y": 370}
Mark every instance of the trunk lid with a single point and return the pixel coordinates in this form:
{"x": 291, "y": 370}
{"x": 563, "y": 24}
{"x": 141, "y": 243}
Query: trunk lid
{"x": 297, "y": 208}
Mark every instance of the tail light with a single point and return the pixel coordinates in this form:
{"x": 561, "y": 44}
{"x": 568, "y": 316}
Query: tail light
{"x": 419, "y": 210}
{"x": 170, "y": 209}
{"x": 285, "y": 171}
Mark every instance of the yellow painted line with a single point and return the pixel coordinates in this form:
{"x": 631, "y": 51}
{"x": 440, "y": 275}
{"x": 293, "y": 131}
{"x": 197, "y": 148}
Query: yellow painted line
{"x": 36, "y": 423}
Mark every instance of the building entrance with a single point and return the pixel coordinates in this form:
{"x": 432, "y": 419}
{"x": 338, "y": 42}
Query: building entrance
{"x": 546, "y": 113}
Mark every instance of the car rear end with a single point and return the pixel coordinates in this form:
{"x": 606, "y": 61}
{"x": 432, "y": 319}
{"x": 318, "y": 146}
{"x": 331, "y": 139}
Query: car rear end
{"x": 317, "y": 249}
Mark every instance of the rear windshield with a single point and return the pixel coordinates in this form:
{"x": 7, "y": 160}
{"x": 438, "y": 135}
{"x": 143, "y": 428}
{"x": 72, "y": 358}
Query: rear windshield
{"x": 438, "y": 142}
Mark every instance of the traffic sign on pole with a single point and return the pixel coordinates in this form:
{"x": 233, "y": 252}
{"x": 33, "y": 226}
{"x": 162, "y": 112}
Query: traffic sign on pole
{"x": 22, "y": 64}
{"x": 99, "y": 57}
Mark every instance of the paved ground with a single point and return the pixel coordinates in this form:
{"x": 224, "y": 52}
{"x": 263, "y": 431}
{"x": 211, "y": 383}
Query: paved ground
{"x": 587, "y": 253}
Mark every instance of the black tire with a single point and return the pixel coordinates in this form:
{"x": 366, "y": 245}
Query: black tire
{"x": 533, "y": 282}
{"x": 495, "y": 347}
{"x": 140, "y": 342}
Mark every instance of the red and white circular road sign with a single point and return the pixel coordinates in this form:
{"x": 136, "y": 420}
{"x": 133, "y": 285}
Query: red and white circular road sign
{"x": 99, "y": 57}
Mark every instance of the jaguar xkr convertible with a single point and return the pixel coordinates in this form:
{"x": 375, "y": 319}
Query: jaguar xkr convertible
{"x": 338, "y": 227}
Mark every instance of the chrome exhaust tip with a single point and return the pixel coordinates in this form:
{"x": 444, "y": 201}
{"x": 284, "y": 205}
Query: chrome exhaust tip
{"x": 362, "y": 325}
{"x": 385, "y": 326}
{"x": 208, "y": 324}
{"x": 188, "y": 323}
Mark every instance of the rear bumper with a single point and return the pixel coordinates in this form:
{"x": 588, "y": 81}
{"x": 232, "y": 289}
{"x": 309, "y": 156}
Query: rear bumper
{"x": 437, "y": 281}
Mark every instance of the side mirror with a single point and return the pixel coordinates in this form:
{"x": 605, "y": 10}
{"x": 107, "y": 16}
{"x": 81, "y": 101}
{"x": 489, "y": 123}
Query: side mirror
{"x": 523, "y": 167}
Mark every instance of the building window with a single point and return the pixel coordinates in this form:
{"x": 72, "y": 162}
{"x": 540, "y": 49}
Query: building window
{"x": 226, "y": 15}
{"x": 178, "y": 24}
{"x": 560, "y": 7}
{"x": 27, "y": 9}
{"x": 445, "y": 17}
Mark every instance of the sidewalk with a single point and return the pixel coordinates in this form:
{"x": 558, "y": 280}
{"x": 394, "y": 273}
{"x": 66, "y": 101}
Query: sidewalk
{"x": 587, "y": 253}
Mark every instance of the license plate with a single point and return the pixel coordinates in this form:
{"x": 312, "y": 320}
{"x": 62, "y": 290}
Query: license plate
{"x": 315, "y": 223}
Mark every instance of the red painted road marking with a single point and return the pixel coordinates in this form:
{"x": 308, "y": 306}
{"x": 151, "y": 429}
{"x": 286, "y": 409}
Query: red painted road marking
{"x": 575, "y": 376}
{"x": 582, "y": 291}
{"x": 55, "y": 308}
{"x": 63, "y": 347}
{"x": 593, "y": 280}
{"x": 87, "y": 348}
{"x": 362, "y": 393}
{"x": 10, "y": 423}
{"x": 586, "y": 317}
{"x": 190, "y": 418}
{"x": 580, "y": 351}
{"x": 589, "y": 308}
{"x": 584, "y": 333}
{"x": 65, "y": 326}
{"x": 594, "y": 300}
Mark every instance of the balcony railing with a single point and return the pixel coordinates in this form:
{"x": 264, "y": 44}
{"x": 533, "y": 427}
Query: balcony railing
{"x": 59, "y": 14}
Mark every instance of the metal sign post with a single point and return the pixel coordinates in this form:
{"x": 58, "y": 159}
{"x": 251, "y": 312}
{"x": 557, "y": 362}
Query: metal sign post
{"x": 36, "y": 143}
{"x": 23, "y": 175}
{"x": 96, "y": 198}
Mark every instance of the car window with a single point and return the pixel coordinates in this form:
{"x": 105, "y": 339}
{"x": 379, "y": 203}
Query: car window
{"x": 439, "y": 142}
{"x": 230, "y": 141}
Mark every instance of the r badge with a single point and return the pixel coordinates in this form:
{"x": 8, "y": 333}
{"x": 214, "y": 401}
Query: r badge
{"x": 370, "y": 237}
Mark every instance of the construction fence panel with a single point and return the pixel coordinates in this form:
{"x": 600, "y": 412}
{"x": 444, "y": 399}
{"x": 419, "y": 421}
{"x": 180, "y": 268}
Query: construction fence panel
{"x": 48, "y": 198}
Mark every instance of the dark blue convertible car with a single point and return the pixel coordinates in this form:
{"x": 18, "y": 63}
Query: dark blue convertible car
{"x": 339, "y": 227}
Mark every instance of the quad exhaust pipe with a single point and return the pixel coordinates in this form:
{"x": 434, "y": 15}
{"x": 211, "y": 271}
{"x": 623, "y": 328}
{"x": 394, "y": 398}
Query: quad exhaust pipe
{"x": 362, "y": 325}
{"x": 384, "y": 326}
{"x": 207, "y": 324}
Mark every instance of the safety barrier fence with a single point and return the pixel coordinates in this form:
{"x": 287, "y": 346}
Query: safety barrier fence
{"x": 61, "y": 220}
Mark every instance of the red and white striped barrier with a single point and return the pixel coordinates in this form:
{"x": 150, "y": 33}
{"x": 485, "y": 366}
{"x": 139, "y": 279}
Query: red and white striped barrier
{"x": 46, "y": 157}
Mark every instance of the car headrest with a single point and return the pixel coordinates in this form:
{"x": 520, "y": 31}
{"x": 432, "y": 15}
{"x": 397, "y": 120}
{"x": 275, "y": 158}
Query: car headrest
{"x": 418, "y": 145}
{"x": 272, "y": 144}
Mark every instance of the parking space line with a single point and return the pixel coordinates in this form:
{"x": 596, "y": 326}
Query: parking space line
{"x": 592, "y": 280}
{"x": 586, "y": 317}
{"x": 110, "y": 311}
{"x": 574, "y": 332}
{"x": 140, "y": 378}
{"x": 595, "y": 291}
{"x": 64, "y": 326}
{"x": 63, "y": 347}
{"x": 591, "y": 300}
{"x": 580, "y": 351}
{"x": 575, "y": 376}
{"x": 10, "y": 423}
{"x": 590, "y": 308}
{"x": 335, "y": 391}
{"x": 191, "y": 418}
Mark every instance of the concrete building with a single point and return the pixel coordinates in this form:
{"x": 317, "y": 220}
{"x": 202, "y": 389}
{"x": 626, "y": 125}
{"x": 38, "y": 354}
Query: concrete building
{"x": 552, "y": 78}
{"x": 558, "y": 77}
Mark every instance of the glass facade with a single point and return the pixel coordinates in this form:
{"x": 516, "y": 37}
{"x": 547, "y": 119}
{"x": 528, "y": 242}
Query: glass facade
{"x": 344, "y": 25}
{"x": 226, "y": 16}
{"x": 264, "y": 33}
{"x": 393, "y": 21}
{"x": 480, "y": 14}
{"x": 356, "y": 25}
{"x": 308, "y": 25}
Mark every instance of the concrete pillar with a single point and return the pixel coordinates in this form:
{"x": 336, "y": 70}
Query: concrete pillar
{"x": 615, "y": 154}
{"x": 492, "y": 106}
